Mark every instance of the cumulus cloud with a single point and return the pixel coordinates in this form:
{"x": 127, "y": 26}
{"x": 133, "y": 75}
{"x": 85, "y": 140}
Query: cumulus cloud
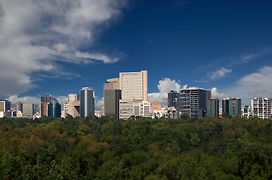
{"x": 220, "y": 73}
{"x": 36, "y": 34}
{"x": 99, "y": 104}
{"x": 25, "y": 99}
{"x": 217, "y": 94}
{"x": 34, "y": 99}
{"x": 165, "y": 85}
{"x": 254, "y": 84}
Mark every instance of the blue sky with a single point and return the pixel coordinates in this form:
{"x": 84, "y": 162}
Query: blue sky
{"x": 225, "y": 45}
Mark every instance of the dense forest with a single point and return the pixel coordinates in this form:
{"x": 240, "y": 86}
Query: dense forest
{"x": 140, "y": 148}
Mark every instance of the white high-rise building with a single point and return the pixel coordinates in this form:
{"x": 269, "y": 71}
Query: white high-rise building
{"x": 134, "y": 92}
{"x": 134, "y": 85}
{"x": 261, "y": 107}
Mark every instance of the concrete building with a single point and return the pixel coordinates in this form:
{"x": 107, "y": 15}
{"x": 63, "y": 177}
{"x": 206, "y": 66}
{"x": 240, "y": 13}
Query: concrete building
{"x": 134, "y": 85}
{"x": 246, "y": 112}
{"x": 213, "y": 107}
{"x": 125, "y": 108}
{"x": 193, "y": 102}
{"x": 261, "y": 107}
{"x": 72, "y": 107}
{"x": 45, "y": 100}
{"x": 134, "y": 92}
{"x": 28, "y": 110}
{"x": 5, "y": 105}
{"x": 142, "y": 109}
{"x": 18, "y": 107}
{"x": 135, "y": 108}
{"x": 111, "y": 103}
{"x": 54, "y": 109}
{"x": 231, "y": 107}
{"x": 86, "y": 102}
{"x": 112, "y": 95}
{"x": 173, "y": 99}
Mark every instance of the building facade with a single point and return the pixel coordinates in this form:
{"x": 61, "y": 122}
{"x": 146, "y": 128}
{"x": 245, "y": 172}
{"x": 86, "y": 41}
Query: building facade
{"x": 134, "y": 93}
{"x": 173, "y": 99}
{"x": 213, "y": 107}
{"x": 193, "y": 102}
{"x": 86, "y": 102}
{"x": 72, "y": 107}
{"x": 54, "y": 109}
{"x": 246, "y": 112}
{"x": 28, "y": 110}
{"x": 45, "y": 100}
{"x": 112, "y": 96}
{"x": 261, "y": 107}
{"x": 5, "y": 105}
{"x": 134, "y": 85}
{"x": 232, "y": 107}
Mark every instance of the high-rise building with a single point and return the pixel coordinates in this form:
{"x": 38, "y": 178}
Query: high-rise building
{"x": 112, "y": 84}
{"x": 261, "y": 107}
{"x": 45, "y": 100}
{"x": 246, "y": 112}
{"x": 213, "y": 107}
{"x": 73, "y": 105}
{"x": 19, "y": 106}
{"x": 134, "y": 90}
{"x": 28, "y": 110}
{"x": 173, "y": 99}
{"x": 231, "y": 107}
{"x": 86, "y": 102}
{"x": 112, "y": 95}
{"x": 134, "y": 85}
{"x": 5, "y": 105}
{"x": 193, "y": 102}
{"x": 54, "y": 109}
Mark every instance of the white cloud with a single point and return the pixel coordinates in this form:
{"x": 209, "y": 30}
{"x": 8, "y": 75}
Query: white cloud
{"x": 254, "y": 84}
{"x": 99, "y": 104}
{"x": 165, "y": 85}
{"x": 220, "y": 73}
{"x": 34, "y": 99}
{"x": 26, "y": 99}
{"x": 36, "y": 34}
{"x": 216, "y": 94}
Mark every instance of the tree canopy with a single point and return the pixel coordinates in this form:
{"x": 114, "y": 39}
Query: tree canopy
{"x": 140, "y": 148}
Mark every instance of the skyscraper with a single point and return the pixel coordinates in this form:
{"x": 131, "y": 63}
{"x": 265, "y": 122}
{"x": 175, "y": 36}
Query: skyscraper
{"x": 45, "y": 100}
{"x": 213, "y": 107}
{"x": 193, "y": 102}
{"x": 19, "y": 106}
{"x": 54, "y": 109}
{"x": 134, "y": 89}
{"x": 232, "y": 107}
{"x": 73, "y": 105}
{"x": 112, "y": 95}
{"x": 28, "y": 110}
{"x": 86, "y": 102}
{"x": 261, "y": 107}
{"x": 134, "y": 85}
{"x": 173, "y": 99}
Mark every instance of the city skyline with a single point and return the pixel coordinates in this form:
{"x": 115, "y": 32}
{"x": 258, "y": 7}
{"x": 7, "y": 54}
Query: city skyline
{"x": 223, "y": 46}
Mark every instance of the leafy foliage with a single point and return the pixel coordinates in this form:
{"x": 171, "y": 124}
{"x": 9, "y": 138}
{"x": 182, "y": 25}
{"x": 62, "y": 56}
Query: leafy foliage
{"x": 139, "y": 148}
